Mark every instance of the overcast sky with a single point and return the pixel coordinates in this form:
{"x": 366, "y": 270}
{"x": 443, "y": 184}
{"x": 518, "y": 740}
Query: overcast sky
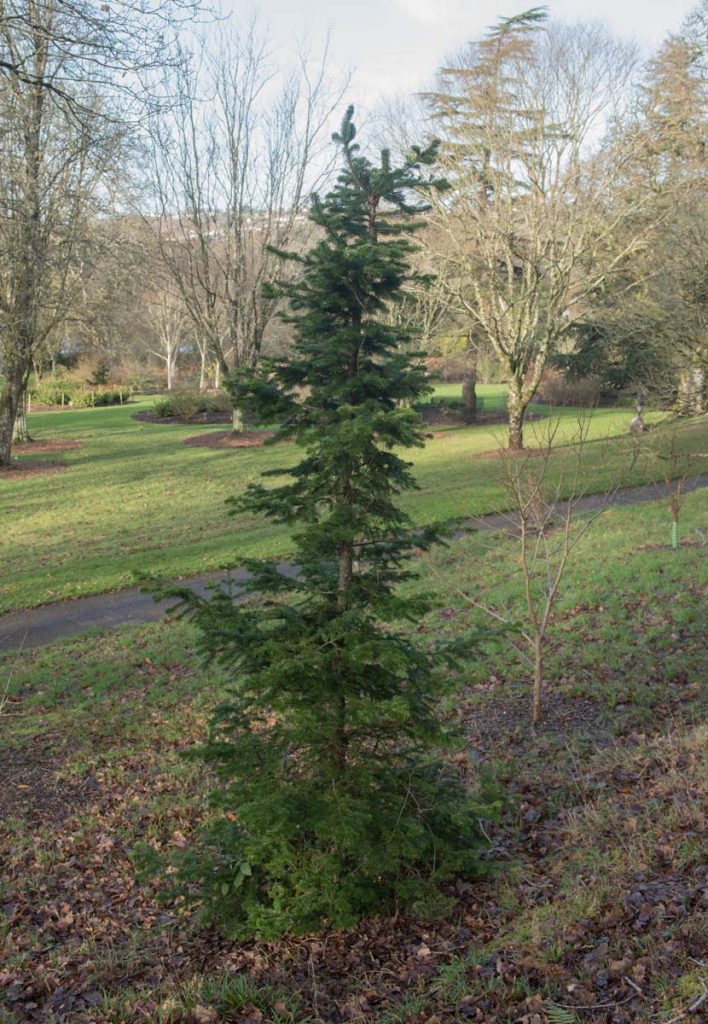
{"x": 394, "y": 46}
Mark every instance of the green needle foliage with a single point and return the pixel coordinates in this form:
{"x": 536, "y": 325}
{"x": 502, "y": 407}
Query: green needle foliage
{"x": 336, "y": 800}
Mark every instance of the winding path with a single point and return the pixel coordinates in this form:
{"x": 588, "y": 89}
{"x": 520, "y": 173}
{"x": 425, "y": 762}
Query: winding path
{"x": 36, "y": 627}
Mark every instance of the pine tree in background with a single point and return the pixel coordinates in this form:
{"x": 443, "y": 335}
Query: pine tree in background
{"x": 335, "y": 799}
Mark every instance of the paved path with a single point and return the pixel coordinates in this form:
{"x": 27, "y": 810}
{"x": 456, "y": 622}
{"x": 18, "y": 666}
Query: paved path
{"x": 38, "y": 626}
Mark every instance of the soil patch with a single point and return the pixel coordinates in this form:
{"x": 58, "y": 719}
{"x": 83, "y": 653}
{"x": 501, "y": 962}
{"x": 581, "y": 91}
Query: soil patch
{"x": 57, "y": 445}
{"x": 21, "y": 470}
{"x": 511, "y": 453}
{"x": 436, "y": 417}
{"x": 32, "y": 785}
{"x": 41, "y": 407}
{"x": 683, "y": 543}
{"x": 431, "y": 416}
{"x": 505, "y": 722}
{"x": 227, "y": 439}
{"x": 203, "y": 417}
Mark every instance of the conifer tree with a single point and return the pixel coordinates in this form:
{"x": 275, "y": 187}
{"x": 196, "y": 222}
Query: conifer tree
{"x": 335, "y": 798}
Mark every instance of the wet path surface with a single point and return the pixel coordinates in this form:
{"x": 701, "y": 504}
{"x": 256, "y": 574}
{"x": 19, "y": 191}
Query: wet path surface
{"x": 38, "y": 626}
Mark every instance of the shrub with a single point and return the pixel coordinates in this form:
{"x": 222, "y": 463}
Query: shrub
{"x": 219, "y": 401}
{"x": 82, "y": 398}
{"x": 557, "y": 389}
{"x": 101, "y": 374}
{"x": 162, "y": 407}
{"x": 68, "y": 392}
{"x": 189, "y": 405}
{"x": 53, "y": 391}
{"x": 109, "y": 396}
{"x": 86, "y": 398}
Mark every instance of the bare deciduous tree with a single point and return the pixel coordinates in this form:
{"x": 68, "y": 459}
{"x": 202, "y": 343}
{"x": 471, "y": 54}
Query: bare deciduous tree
{"x": 166, "y": 312}
{"x": 50, "y": 167}
{"x": 232, "y": 168}
{"x": 549, "y": 513}
{"x": 97, "y": 49}
{"x": 530, "y": 227}
{"x": 63, "y": 64}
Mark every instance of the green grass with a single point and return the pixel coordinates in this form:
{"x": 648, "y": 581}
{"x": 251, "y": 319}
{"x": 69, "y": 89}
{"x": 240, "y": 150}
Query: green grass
{"x": 134, "y": 498}
{"x": 628, "y": 616}
{"x": 617, "y": 788}
{"x": 490, "y": 397}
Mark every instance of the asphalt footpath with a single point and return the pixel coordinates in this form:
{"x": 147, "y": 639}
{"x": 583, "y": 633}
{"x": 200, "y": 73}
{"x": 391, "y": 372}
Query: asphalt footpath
{"x": 48, "y": 623}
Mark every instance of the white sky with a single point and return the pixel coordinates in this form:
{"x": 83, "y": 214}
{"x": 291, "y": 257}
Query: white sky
{"x": 394, "y": 46}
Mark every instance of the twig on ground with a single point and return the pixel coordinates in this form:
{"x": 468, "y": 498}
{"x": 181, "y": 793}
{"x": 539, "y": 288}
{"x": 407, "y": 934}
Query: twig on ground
{"x": 693, "y": 1008}
{"x": 632, "y": 984}
{"x": 313, "y": 984}
{"x": 484, "y": 832}
{"x": 601, "y": 1006}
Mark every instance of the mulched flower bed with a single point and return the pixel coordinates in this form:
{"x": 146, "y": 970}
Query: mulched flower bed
{"x": 513, "y": 453}
{"x": 203, "y": 417}
{"x": 22, "y": 470}
{"x": 35, "y": 447}
{"x": 227, "y": 439}
{"x": 431, "y": 416}
{"x": 451, "y": 418}
{"x": 35, "y": 467}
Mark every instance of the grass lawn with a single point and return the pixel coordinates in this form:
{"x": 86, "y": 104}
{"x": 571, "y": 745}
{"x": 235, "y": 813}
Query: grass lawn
{"x": 594, "y": 897}
{"x": 135, "y": 498}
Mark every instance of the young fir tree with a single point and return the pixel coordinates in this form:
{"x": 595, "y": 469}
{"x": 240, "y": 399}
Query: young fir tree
{"x": 335, "y": 800}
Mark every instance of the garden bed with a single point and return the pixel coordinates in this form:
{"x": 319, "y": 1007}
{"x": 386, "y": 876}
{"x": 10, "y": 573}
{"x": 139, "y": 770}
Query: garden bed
{"x": 146, "y": 416}
{"x": 22, "y": 470}
{"x": 59, "y": 444}
{"x": 227, "y": 439}
{"x": 437, "y": 416}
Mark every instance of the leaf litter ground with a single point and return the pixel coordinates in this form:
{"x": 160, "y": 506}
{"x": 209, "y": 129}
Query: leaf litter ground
{"x": 596, "y": 901}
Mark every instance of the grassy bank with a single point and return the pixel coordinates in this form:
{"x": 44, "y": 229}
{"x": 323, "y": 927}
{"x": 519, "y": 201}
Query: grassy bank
{"x": 594, "y": 897}
{"x": 135, "y": 498}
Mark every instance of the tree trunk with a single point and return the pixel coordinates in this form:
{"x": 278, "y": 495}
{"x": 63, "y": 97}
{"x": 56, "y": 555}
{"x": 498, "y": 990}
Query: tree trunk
{"x": 537, "y": 678}
{"x": 469, "y": 384}
{"x": 20, "y": 434}
{"x": 169, "y": 371}
{"x": 237, "y": 420}
{"x": 7, "y": 425}
{"x": 30, "y": 262}
{"x": 516, "y": 410}
{"x": 691, "y": 392}
{"x": 469, "y": 388}
{"x": 469, "y": 398}
{"x": 217, "y": 374}
{"x": 202, "y": 369}
{"x": 11, "y": 401}
{"x": 675, "y": 514}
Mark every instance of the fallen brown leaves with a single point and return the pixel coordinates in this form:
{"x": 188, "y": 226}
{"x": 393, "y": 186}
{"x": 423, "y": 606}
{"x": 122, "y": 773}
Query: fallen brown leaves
{"x": 602, "y": 912}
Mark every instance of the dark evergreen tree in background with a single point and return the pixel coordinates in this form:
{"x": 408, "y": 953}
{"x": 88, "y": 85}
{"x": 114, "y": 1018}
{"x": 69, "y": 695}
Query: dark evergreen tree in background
{"x": 335, "y": 798}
